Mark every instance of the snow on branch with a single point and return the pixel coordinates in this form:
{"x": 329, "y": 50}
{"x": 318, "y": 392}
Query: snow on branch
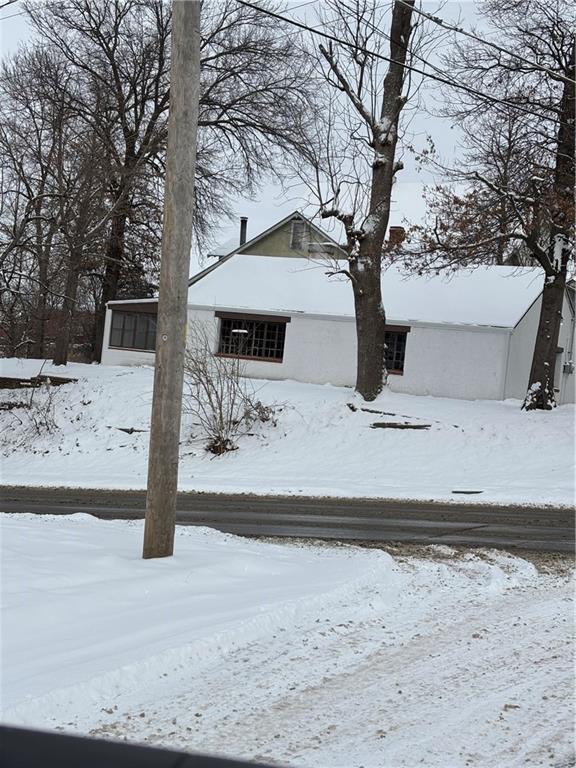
{"x": 357, "y": 102}
{"x": 504, "y": 191}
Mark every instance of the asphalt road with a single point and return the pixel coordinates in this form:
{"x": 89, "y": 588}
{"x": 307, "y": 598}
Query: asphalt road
{"x": 363, "y": 520}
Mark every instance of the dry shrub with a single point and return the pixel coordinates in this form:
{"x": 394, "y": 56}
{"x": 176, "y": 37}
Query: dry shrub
{"x": 24, "y": 422}
{"x": 217, "y": 396}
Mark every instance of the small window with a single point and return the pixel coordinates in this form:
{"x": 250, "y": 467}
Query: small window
{"x": 395, "y": 351}
{"x": 252, "y": 338}
{"x": 298, "y": 235}
{"x": 133, "y": 330}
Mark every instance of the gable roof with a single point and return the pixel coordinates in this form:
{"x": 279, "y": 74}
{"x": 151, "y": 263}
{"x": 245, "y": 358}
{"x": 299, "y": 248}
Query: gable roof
{"x": 225, "y": 249}
{"x": 233, "y": 246}
{"x": 492, "y": 296}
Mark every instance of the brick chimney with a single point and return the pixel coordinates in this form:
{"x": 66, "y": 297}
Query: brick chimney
{"x": 243, "y": 229}
{"x": 396, "y": 236}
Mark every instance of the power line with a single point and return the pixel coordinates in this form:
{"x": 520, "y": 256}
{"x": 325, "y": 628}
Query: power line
{"x": 308, "y": 2}
{"x": 20, "y": 13}
{"x": 376, "y": 55}
{"x": 455, "y": 83}
{"x": 460, "y": 30}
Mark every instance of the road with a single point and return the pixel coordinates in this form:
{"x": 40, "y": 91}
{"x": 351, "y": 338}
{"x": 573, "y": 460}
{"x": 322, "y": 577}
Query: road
{"x": 363, "y": 520}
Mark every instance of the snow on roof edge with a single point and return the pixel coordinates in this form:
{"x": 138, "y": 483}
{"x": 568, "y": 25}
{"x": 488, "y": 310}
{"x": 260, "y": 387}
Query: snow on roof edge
{"x": 481, "y": 297}
{"x": 346, "y": 318}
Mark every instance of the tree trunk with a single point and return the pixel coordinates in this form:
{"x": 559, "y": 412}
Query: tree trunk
{"x": 38, "y": 323}
{"x": 39, "y": 317}
{"x": 43, "y": 249}
{"x": 114, "y": 259}
{"x": 366, "y": 265}
{"x": 540, "y": 394}
{"x": 370, "y": 325}
{"x": 68, "y": 309}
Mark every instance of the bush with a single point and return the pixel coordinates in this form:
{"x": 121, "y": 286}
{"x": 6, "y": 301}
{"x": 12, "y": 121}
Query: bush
{"x": 218, "y": 397}
{"x": 26, "y": 421}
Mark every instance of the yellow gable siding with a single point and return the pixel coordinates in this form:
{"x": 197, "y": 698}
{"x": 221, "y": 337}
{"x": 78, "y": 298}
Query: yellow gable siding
{"x": 277, "y": 243}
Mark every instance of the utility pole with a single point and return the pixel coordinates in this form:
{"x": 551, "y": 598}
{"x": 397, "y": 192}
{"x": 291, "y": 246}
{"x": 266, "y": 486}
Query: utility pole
{"x": 174, "y": 273}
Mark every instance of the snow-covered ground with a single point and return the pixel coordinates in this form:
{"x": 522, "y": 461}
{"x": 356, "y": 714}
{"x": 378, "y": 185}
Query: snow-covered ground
{"x": 325, "y": 657}
{"x": 319, "y": 446}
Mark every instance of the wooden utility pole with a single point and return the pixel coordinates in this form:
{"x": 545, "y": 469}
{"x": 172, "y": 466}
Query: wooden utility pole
{"x": 174, "y": 272}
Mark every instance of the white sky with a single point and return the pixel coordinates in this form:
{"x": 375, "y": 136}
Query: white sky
{"x": 272, "y": 204}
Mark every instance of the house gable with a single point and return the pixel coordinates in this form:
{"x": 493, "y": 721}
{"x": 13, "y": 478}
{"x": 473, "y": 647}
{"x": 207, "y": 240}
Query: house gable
{"x": 293, "y": 237}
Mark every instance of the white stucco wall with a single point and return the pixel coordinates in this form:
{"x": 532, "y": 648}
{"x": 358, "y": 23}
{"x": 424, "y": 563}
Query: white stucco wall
{"x": 521, "y": 351}
{"x": 446, "y": 362}
{"x": 522, "y": 348}
{"x": 466, "y": 363}
{"x": 112, "y": 356}
{"x": 315, "y": 351}
{"x": 566, "y": 382}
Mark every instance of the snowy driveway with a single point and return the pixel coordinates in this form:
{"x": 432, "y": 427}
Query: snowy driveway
{"x": 473, "y": 682}
{"x": 334, "y": 658}
{"x": 488, "y": 689}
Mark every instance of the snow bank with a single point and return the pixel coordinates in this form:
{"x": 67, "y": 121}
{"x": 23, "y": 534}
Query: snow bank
{"x": 320, "y": 447}
{"x": 87, "y": 621}
{"x": 298, "y": 655}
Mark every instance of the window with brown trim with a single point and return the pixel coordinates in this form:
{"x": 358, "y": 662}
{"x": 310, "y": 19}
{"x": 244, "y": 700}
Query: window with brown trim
{"x": 133, "y": 330}
{"x": 252, "y": 337}
{"x": 395, "y": 351}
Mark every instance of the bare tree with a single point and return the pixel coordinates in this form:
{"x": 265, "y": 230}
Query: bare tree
{"x": 518, "y": 171}
{"x": 254, "y": 102}
{"x": 118, "y": 48}
{"x": 82, "y": 214}
{"x": 30, "y": 135}
{"x": 356, "y": 160}
{"x": 58, "y": 192}
{"x": 469, "y": 220}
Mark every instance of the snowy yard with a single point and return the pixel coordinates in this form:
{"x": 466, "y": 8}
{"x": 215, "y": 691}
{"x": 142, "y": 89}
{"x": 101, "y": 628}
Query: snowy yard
{"x": 318, "y": 447}
{"x": 321, "y": 656}
{"x": 325, "y": 657}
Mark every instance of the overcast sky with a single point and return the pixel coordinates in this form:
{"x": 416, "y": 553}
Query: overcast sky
{"x": 272, "y": 203}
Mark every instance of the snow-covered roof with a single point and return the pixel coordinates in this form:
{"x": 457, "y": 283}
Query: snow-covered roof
{"x": 152, "y": 300}
{"x": 223, "y": 249}
{"x": 486, "y": 296}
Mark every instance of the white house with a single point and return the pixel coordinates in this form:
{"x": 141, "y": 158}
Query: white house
{"x": 470, "y": 335}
